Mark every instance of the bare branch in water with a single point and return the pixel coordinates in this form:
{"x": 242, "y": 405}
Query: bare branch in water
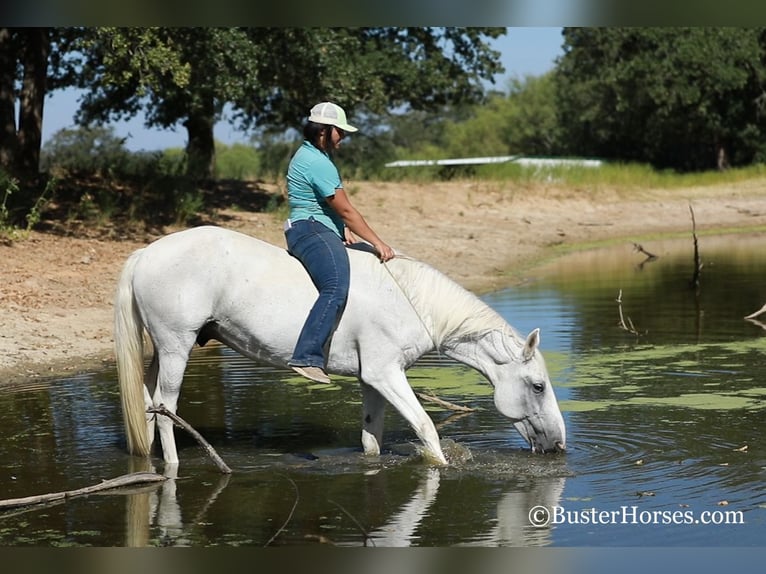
{"x": 443, "y": 403}
{"x": 640, "y": 248}
{"x": 629, "y": 327}
{"x": 289, "y": 516}
{"x": 695, "y": 281}
{"x": 358, "y": 525}
{"x": 757, "y": 313}
{"x": 451, "y": 419}
{"x": 162, "y": 410}
{"x": 120, "y": 481}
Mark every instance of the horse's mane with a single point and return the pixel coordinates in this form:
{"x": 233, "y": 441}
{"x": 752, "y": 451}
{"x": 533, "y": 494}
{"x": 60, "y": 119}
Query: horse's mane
{"x": 447, "y": 310}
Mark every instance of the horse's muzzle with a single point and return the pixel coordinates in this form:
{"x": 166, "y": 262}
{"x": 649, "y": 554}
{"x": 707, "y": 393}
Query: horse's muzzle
{"x": 558, "y": 446}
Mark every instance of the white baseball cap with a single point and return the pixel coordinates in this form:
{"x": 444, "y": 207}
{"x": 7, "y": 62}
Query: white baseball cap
{"x": 331, "y": 114}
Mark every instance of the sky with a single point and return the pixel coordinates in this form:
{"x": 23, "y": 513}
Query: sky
{"x": 524, "y": 52}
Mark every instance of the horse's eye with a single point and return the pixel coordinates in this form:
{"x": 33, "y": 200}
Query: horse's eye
{"x": 538, "y": 387}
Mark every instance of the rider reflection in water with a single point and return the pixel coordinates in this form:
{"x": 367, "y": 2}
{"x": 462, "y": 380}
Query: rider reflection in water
{"x": 322, "y": 222}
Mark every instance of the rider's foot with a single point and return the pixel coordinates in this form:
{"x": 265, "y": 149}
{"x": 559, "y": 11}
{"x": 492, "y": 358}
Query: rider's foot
{"x": 313, "y": 373}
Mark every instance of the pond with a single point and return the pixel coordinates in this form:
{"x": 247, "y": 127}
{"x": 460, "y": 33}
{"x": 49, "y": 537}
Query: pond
{"x": 661, "y": 387}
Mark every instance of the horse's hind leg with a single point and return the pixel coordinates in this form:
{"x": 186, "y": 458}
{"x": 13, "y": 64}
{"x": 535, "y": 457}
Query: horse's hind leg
{"x": 150, "y": 385}
{"x": 373, "y": 415}
{"x": 169, "y": 377}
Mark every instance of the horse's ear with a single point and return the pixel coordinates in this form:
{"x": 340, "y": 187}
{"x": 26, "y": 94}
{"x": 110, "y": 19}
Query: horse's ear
{"x": 533, "y": 341}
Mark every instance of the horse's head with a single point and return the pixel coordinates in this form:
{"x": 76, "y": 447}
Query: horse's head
{"x": 523, "y": 393}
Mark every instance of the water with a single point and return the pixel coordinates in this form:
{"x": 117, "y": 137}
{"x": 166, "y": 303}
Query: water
{"x": 664, "y": 417}
{"x": 664, "y": 412}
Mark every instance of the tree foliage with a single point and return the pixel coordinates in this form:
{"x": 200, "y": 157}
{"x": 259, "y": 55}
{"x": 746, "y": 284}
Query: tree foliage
{"x": 673, "y": 97}
{"x": 82, "y": 151}
{"x": 269, "y": 77}
{"x": 521, "y": 122}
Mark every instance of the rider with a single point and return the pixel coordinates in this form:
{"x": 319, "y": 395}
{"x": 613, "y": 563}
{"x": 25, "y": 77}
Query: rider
{"x": 322, "y": 222}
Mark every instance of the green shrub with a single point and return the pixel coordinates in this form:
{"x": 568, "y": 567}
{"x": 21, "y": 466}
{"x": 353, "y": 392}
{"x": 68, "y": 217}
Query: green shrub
{"x": 237, "y": 161}
{"x": 21, "y": 208}
{"x": 84, "y": 150}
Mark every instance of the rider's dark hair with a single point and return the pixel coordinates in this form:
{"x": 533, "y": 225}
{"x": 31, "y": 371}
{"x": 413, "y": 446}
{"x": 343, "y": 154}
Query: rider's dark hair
{"x": 313, "y": 131}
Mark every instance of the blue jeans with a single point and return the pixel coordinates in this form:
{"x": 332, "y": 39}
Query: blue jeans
{"x": 323, "y": 254}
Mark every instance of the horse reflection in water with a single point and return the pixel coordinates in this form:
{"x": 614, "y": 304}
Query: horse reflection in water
{"x": 211, "y": 283}
{"x": 154, "y": 505}
{"x": 157, "y": 506}
{"x": 512, "y": 526}
{"x": 516, "y": 511}
{"x": 154, "y": 516}
{"x": 401, "y": 528}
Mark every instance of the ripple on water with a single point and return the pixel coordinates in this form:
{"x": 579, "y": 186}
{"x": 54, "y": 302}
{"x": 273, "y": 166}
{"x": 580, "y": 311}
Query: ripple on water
{"x": 624, "y": 462}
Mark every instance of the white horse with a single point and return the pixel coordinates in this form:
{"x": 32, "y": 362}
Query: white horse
{"x": 211, "y": 283}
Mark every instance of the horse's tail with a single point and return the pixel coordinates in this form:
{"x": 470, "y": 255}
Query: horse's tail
{"x": 129, "y": 351}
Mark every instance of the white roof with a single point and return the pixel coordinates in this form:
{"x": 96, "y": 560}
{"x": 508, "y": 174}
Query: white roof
{"x": 525, "y": 161}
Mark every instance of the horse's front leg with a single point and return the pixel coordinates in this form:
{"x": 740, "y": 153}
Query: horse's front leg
{"x": 373, "y": 415}
{"x": 395, "y": 388}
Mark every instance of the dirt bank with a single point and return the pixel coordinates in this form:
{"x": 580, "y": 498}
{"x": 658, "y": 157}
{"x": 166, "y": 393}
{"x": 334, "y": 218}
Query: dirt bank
{"x": 56, "y": 292}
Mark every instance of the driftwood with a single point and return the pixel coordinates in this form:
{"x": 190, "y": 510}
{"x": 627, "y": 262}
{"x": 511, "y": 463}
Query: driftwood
{"x": 112, "y": 483}
{"x": 443, "y": 403}
{"x": 162, "y": 410}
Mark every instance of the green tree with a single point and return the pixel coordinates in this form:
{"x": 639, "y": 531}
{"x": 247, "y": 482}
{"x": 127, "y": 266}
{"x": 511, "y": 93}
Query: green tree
{"x": 83, "y": 151}
{"x": 521, "y": 122}
{"x": 33, "y": 62}
{"x": 269, "y": 77}
{"x": 23, "y": 62}
{"x": 531, "y": 116}
{"x": 682, "y": 98}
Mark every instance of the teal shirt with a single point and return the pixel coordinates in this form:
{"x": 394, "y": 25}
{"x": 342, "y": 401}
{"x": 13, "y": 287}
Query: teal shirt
{"x": 311, "y": 178}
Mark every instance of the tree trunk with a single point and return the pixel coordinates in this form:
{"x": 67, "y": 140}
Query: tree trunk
{"x": 8, "y": 138}
{"x": 35, "y": 63}
{"x": 200, "y": 151}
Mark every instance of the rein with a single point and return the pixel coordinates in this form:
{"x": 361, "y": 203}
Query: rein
{"x": 428, "y": 331}
{"x": 407, "y": 297}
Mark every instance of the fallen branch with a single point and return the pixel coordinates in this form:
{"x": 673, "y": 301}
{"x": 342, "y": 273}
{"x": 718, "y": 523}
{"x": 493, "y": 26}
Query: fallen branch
{"x": 631, "y": 328}
{"x": 365, "y": 534}
{"x": 758, "y": 312}
{"x": 120, "y": 481}
{"x": 223, "y": 482}
{"x": 443, "y": 403}
{"x": 640, "y": 248}
{"x": 162, "y": 410}
{"x": 289, "y": 516}
{"x": 454, "y": 417}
